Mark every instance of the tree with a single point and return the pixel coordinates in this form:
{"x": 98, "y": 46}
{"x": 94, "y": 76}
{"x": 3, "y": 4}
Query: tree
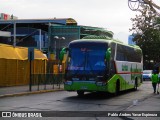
{"x": 147, "y": 36}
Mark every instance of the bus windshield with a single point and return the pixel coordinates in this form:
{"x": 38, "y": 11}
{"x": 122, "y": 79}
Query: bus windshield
{"x": 87, "y": 58}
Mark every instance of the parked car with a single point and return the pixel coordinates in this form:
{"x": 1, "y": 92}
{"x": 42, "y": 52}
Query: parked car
{"x": 147, "y": 74}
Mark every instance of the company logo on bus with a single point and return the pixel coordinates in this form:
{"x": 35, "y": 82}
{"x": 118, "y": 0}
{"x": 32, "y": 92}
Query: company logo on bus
{"x": 85, "y": 49}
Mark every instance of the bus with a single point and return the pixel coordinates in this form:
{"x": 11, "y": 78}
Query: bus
{"x": 102, "y": 64}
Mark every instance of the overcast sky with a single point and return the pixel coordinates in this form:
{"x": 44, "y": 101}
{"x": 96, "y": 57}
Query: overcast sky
{"x": 113, "y": 15}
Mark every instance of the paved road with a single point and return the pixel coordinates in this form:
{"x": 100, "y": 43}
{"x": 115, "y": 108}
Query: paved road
{"x": 69, "y": 101}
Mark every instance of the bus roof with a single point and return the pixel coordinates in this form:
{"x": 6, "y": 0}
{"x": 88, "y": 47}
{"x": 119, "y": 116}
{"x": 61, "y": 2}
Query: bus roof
{"x": 108, "y": 40}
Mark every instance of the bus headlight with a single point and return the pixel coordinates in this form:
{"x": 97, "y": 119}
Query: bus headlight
{"x": 100, "y": 83}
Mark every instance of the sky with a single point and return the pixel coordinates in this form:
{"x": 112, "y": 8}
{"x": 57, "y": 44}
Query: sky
{"x": 113, "y": 15}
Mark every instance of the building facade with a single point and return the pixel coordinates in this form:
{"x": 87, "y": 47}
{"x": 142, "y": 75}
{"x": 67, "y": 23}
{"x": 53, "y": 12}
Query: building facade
{"x": 130, "y": 40}
{"x": 48, "y": 35}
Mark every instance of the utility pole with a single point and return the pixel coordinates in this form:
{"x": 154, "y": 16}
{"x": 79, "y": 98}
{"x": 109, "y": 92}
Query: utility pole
{"x": 152, "y": 4}
{"x": 49, "y": 40}
{"x": 14, "y": 33}
{"x": 40, "y": 39}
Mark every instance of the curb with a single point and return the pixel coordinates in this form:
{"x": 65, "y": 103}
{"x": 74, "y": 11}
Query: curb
{"x": 28, "y": 93}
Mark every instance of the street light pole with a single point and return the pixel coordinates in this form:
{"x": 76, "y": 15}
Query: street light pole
{"x": 55, "y": 45}
{"x": 57, "y": 38}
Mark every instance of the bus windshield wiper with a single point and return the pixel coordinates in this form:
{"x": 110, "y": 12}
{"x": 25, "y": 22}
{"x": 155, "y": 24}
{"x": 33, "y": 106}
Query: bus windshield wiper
{"x": 91, "y": 69}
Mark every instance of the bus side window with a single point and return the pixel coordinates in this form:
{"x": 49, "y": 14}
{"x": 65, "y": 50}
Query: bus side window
{"x": 121, "y": 55}
{"x": 113, "y": 45}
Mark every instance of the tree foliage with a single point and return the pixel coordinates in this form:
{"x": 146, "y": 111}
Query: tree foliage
{"x": 147, "y": 36}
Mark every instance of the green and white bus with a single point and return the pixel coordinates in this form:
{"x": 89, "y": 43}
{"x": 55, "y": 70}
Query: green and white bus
{"x": 101, "y": 64}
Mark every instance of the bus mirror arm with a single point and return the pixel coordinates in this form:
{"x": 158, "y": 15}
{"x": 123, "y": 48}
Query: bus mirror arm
{"x": 108, "y": 54}
{"x": 62, "y": 52}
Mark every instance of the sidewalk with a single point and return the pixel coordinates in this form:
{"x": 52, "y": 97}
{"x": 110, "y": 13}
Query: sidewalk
{"x": 147, "y": 109}
{"x": 24, "y": 90}
{"x": 149, "y": 103}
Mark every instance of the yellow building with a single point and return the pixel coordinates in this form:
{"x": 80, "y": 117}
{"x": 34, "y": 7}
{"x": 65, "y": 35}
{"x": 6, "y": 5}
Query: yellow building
{"x": 15, "y": 66}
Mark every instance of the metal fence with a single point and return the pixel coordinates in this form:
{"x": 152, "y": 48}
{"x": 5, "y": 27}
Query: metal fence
{"x": 15, "y": 76}
{"x": 46, "y": 81}
{"x": 52, "y": 79}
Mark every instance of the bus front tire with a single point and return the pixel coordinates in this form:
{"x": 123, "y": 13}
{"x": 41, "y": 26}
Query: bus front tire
{"x": 80, "y": 93}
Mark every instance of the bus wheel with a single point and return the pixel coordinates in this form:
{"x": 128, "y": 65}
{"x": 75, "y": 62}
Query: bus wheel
{"x": 80, "y": 93}
{"x": 117, "y": 87}
{"x": 136, "y": 84}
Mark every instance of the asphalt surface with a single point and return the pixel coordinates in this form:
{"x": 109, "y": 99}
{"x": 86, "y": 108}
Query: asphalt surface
{"x": 150, "y": 103}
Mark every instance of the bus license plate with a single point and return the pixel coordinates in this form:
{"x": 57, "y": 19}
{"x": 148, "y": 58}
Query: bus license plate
{"x": 84, "y": 87}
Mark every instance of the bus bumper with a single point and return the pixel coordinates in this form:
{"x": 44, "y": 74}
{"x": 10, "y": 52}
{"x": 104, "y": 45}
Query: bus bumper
{"x": 89, "y": 86}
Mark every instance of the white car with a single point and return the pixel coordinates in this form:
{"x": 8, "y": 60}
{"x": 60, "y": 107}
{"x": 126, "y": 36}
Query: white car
{"x": 147, "y": 74}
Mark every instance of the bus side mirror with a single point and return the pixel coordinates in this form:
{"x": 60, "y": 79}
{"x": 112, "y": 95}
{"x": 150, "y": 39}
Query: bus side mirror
{"x": 108, "y": 54}
{"x": 62, "y": 52}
